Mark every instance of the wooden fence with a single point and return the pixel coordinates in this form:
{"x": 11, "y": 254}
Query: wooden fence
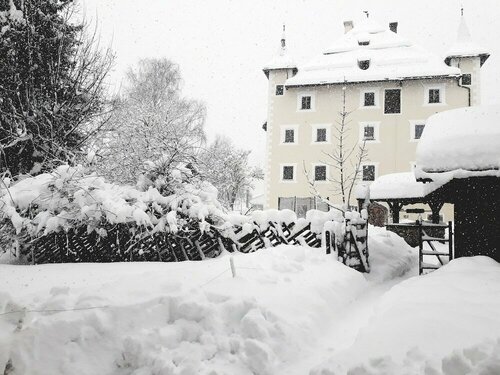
{"x": 128, "y": 242}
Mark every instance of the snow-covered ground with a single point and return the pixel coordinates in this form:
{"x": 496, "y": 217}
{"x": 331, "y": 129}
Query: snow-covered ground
{"x": 289, "y": 310}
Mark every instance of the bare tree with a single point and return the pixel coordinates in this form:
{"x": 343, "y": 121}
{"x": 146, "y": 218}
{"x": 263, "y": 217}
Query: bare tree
{"x": 151, "y": 120}
{"x": 226, "y": 167}
{"x": 346, "y": 159}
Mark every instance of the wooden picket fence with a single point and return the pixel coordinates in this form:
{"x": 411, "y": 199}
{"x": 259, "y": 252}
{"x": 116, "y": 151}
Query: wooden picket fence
{"x": 128, "y": 242}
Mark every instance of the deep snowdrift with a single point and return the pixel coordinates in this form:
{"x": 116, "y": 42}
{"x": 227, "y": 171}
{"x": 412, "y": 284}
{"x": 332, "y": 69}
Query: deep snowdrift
{"x": 171, "y": 318}
{"x": 181, "y": 318}
{"x": 193, "y": 317}
{"x": 447, "y": 322}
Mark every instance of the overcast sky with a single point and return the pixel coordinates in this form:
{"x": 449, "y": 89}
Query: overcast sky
{"x": 221, "y": 45}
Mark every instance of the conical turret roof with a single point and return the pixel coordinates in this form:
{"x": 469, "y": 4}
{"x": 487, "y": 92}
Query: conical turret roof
{"x": 465, "y": 46}
{"x": 282, "y": 60}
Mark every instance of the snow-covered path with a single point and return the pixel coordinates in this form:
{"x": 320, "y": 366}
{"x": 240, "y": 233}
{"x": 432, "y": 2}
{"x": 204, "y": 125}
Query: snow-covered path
{"x": 341, "y": 330}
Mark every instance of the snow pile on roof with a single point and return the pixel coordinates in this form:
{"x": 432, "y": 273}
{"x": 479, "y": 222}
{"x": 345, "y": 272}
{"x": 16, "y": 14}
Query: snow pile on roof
{"x": 465, "y": 141}
{"x": 395, "y": 186}
{"x": 281, "y": 61}
{"x": 464, "y": 45}
{"x": 444, "y": 323}
{"x": 391, "y": 58}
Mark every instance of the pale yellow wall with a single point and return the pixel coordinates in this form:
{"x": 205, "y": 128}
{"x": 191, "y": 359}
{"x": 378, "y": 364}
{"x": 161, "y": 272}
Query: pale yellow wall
{"x": 394, "y": 151}
{"x": 471, "y": 65}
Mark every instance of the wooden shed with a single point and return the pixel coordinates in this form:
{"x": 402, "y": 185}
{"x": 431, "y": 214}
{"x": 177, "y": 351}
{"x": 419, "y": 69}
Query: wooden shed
{"x": 460, "y": 152}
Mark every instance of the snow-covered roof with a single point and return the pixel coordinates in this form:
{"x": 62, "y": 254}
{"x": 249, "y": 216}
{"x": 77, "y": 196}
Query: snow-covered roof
{"x": 282, "y": 60}
{"x": 465, "y": 141}
{"x": 396, "y": 186}
{"x": 465, "y": 46}
{"x": 391, "y": 58}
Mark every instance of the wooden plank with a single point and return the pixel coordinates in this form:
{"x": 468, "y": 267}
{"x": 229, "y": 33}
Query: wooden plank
{"x": 428, "y": 266}
{"x": 435, "y": 253}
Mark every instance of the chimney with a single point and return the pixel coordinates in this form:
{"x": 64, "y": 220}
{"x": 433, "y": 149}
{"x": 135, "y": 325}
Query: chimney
{"x": 393, "y": 26}
{"x": 348, "y": 25}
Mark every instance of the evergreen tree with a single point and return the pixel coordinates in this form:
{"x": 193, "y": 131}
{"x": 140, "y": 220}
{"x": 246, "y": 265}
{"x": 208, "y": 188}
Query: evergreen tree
{"x": 51, "y": 84}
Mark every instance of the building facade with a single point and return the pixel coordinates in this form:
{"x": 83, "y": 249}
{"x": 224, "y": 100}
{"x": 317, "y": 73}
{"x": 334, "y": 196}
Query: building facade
{"x": 388, "y": 88}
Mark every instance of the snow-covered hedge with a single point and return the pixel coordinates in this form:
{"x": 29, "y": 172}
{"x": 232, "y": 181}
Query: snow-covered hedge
{"x": 166, "y": 200}
{"x": 68, "y": 197}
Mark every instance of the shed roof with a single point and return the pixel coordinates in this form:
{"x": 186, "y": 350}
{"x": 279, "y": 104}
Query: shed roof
{"x": 396, "y": 186}
{"x": 464, "y": 142}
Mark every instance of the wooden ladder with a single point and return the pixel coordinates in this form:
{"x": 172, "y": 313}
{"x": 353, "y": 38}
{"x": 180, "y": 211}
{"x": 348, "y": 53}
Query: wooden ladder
{"x": 424, "y": 238}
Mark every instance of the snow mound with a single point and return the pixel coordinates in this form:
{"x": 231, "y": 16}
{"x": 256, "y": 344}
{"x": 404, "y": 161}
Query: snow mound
{"x": 480, "y": 359}
{"x": 446, "y": 322}
{"x": 390, "y": 255}
{"x": 171, "y": 318}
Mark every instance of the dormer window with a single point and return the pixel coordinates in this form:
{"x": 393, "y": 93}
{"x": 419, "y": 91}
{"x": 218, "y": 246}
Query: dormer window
{"x": 363, "y": 64}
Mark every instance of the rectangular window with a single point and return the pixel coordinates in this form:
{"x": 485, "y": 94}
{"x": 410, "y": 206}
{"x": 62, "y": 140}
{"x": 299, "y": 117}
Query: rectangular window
{"x": 321, "y": 135}
{"x": 289, "y": 136}
{"x": 306, "y": 102}
{"x": 466, "y": 79}
{"x": 368, "y": 172}
{"x": 369, "y": 99}
{"x": 392, "y": 101}
{"x": 369, "y": 133}
{"x": 434, "y": 96}
{"x": 279, "y": 89}
{"x": 288, "y": 173}
{"x": 419, "y": 129}
{"x": 320, "y": 173}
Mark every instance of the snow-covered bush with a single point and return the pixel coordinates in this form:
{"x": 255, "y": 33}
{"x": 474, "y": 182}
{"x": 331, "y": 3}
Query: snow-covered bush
{"x": 68, "y": 198}
{"x": 70, "y": 215}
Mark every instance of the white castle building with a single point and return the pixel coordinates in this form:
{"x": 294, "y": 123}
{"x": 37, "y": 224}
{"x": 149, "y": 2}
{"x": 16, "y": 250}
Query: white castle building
{"x": 390, "y": 87}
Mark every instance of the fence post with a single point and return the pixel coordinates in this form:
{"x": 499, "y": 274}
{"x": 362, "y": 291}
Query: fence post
{"x": 327, "y": 240}
{"x": 233, "y": 268}
{"x": 450, "y": 241}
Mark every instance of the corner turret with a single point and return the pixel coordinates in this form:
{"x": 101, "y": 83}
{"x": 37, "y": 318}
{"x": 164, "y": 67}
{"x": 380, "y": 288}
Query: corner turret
{"x": 469, "y": 57}
{"x": 282, "y": 61}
